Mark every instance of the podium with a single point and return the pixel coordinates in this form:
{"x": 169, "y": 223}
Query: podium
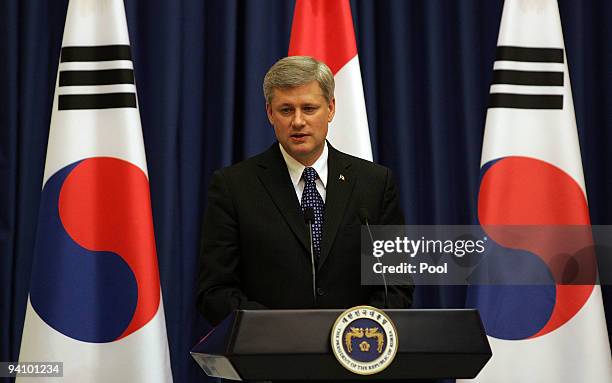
{"x": 295, "y": 344}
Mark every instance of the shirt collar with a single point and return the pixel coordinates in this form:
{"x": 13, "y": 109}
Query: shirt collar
{"x": 296, "y": 168}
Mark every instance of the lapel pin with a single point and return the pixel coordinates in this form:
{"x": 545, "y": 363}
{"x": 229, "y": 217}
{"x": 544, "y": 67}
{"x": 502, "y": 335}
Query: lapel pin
{"x": 342, "y": 178}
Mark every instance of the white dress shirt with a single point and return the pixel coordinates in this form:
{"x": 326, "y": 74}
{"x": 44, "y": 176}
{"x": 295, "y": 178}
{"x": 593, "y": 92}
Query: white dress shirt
{"x": 296, "y": 169}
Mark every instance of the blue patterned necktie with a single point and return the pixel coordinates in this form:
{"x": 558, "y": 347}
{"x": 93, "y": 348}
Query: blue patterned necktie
{"x": 312, "y": 199}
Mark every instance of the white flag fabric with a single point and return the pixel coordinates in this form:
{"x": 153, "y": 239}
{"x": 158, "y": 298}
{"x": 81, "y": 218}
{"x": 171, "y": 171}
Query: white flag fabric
{"x": 95, "y": 300}
{"x": 324, "y": 30}
{"x": 532, "y": 175}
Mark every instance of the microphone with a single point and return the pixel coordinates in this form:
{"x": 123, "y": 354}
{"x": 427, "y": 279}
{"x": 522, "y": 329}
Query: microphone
{"x": 364, "y": 215}
{"x": 308, "y": 218}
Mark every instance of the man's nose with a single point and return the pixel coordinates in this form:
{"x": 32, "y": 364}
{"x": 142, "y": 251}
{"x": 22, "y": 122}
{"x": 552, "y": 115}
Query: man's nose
{"x": 298, "y": 119}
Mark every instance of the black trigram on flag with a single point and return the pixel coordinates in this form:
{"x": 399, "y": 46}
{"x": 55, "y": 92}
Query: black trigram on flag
{"x": 99, "y": 69}
{"x": 527, "y": 78}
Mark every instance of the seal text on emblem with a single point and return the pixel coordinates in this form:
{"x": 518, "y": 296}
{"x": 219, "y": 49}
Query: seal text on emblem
{"x": 364, "y": 340}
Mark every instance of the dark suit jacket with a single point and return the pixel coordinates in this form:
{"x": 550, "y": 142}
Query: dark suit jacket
{"x": 255, "y": 244}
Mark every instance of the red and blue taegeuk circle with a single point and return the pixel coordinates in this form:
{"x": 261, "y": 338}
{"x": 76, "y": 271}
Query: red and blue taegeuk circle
{"x": 95, "y": 275}
{"x": 527, "y": 191}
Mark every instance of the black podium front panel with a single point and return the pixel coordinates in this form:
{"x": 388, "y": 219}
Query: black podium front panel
{"x": 295, "y": 344}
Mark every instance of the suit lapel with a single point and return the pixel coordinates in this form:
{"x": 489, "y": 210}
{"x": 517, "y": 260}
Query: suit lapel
{"x": 340, "y": 183}
{"x": 273, "y": 173}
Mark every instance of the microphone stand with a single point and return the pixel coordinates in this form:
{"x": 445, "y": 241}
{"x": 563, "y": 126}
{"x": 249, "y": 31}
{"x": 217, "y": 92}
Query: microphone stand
{"x": 363, "y": 216}
{"x": 309, "y": 217}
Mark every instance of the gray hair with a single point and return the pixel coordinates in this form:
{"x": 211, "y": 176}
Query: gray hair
{"x": 294, "y": 71}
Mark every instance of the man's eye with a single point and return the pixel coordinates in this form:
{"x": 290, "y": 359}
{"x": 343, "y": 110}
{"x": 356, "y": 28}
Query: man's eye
{"x": 310, "y": 109}
{"x": 285, "y": 110}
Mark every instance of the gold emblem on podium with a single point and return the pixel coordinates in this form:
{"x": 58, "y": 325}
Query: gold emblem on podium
{"x": 364, "y": 340}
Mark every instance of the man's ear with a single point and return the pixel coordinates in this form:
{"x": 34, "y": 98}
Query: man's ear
{"x": 332, "y": 109}
{"x": 269, "y": 112}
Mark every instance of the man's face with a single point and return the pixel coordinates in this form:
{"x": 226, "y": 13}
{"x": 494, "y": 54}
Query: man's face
{"x": 300, "y": 116}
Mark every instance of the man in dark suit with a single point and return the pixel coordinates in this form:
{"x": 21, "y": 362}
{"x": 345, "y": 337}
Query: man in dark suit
{"x": 256, "y": 247}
